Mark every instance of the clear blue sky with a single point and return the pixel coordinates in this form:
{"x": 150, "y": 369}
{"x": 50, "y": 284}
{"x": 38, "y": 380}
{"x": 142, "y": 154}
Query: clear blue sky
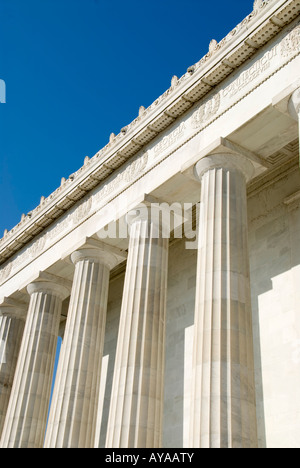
{"x": 77, "y": 70}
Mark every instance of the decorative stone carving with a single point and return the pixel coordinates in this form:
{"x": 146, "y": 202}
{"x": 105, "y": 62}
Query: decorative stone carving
{"x": 141, "y": 110}
{"x": 191, "y": 70}
{"x": 291, "y": 43}
{"x": 213, "y": 46}
{"x": 136, "y": 168}
{"x": 5, "y": 272}
{"x": 174, "y": 81}
{"x": 82, "y": 210}
{"x": 258, "y": 4}
{"x": 170, "y": 139}
{"x": 206, "y": 111}
{"x": 129, "y": 174}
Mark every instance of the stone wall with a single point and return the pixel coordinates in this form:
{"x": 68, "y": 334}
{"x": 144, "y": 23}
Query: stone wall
{"x": 274, "y": 230}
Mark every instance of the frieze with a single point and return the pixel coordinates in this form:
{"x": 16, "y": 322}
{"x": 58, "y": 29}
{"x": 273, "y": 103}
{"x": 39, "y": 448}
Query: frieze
{"x": 170, "y": 139}
{"x": 265, "y": 65}
{"x": 6, "y": 271}
{"x": 206, "y": 111}
{"x": 136, "y": 168}
{"x": 128, "y": 174}
{"x": 291, "y": 43}
{"x": 259, "y": 67}
{"x": 82, "y": 211}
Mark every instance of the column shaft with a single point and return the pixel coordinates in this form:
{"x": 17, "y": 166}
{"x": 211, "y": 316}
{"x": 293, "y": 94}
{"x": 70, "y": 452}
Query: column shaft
{"x": 73, "y": 414}
{"x": 11, "y": 332}
{"x": 26, "y": 416}
{"x": 135, "y": 418}
{"x": 223, "y": 394}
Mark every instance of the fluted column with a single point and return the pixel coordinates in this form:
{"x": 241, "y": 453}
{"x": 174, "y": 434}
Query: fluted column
{"x": 135, "y": 418}
{"x": 26, "y": 417}
{"x": 12, "y": 322}
{"x": 223, "y": 393}
{"x": 73, "y": 414}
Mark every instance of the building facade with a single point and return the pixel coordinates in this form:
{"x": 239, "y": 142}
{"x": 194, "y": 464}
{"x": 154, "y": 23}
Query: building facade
{"x": 170, "y": 266}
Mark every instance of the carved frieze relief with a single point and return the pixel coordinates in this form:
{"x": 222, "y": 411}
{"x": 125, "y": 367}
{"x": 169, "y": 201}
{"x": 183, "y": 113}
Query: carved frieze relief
{"x": 170, "y": 139}
{"x": 82, "y": 211}
{"x": 291, "y": 43}
{"x": 206, "y": 111}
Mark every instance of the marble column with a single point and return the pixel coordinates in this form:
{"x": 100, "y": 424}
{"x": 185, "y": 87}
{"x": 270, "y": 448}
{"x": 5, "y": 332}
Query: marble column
{"x": 26, "y": 417}
{"x": 12, "y": 322}
{"x": 223, "y": 391}
{"x": 294, "y": 109}
{"x": 73, "y": 414}
{"x": 135, "y": 418}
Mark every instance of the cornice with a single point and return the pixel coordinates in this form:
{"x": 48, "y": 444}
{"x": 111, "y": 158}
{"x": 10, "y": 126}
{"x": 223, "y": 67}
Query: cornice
{"x": 265, "y": 22}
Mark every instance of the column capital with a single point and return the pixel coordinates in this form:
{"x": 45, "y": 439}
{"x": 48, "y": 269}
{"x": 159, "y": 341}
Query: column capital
{"x": 142, "y": 212}
{"x": 100, "y": 255}
{"x": 13, "y": 309}
{"x": 49, "y": 287}
{"x": 8, "y": 311}
{"x": 294, "y": 105}
{"x": 162, "y": 215}
{"x": 228, "y": 161}
{"x": 18, "y": 311}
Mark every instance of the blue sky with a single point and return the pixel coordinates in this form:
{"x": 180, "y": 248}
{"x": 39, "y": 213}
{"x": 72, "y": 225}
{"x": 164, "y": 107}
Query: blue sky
{"x": 77, "y": 70}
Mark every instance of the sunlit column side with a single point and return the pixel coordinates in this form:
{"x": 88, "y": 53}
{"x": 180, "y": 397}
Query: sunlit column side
{"x": 135, "y": 418}
{"x": 26, "y": 417}
{"x": 73, "y": 414}
{"x": 12, "y": 322}
{"x": 223, "y": 393}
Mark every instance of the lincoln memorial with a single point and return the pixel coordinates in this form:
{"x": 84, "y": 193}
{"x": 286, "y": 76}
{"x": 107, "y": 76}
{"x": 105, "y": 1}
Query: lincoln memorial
{"x": 169, "y": 265}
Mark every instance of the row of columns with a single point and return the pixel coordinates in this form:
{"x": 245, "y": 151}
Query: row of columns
{"x": 223, "y": 395}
